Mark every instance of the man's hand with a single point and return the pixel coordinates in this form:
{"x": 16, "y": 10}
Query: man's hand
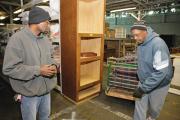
{"x": 138, "y": 93}
{"x": 54, "y": 68}
{"x": 48, "y": 70}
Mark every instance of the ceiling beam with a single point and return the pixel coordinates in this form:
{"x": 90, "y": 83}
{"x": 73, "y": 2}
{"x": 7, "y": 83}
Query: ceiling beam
{"x": 147, "y": 9}
{"x": 7, "y": 11}
{"x": 10, "y": 3}
{"x": 140, "y": 3}
{"x": 11, "y": 14}
{"x": 160, "y": 2}
{"x": 121, "y": 5}
{"x": 32, "y": 3}
{"x": 116, "y": 1}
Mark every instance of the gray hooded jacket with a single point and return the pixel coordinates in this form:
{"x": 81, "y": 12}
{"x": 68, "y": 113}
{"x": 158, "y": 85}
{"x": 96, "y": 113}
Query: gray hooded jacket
{"x": 154, "y": 64}
{"x": 24, "y": 55}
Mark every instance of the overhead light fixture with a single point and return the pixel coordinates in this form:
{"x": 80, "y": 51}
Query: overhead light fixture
{"x": 151, "y": 12}
{"x": 2, "y": 17}
{"x": 17, "y": 11}
{"x": 45, "y": 1}
{"x": 1, "y": 24}
{"x": 166, "y": 10}
{"x": 125, "y": 9}
{"x": 172, "y": 4}
{"x": 173, "y": 9}
{"x": 157, "y": 12}
{"x": 16, "y": 19}
{"x": 162, "y": 10}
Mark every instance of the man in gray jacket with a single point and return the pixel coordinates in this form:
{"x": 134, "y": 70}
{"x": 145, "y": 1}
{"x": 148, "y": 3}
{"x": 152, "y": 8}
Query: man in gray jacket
{"x": 154, "y": 71}
{"x": 30, "y": 67}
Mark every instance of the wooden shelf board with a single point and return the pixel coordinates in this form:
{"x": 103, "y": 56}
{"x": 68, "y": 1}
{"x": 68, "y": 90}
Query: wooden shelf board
{"x": 89, "y": 85}
{"x": 88, "y": 97}
{"x": 113, "y": 92}
{"x": 90, "y": 35}
{"x": 115, "y": 39}
{"x": 81, "y": 100}
{"x": 85, "y": 80}
{"x": 89, "y": 59}
{"x": 89, "y": 92}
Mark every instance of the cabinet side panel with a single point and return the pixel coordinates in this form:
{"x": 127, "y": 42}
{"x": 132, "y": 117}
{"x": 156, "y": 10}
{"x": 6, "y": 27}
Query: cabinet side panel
{"x": 68, "y": 46}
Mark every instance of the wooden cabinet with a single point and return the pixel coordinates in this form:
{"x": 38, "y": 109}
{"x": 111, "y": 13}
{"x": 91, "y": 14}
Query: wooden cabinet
{"x": 82, "y": 45}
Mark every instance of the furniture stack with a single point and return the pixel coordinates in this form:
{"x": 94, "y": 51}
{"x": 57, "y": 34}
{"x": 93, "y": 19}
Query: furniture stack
{"x": 122, "y": 77}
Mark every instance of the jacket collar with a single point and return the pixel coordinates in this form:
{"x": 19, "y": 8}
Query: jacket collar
{"x": 150, "y": 36}
{"x": 29, "y": 32}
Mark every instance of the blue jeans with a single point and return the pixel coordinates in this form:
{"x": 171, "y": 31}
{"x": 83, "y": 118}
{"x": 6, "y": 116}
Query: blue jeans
{"x": 30, "y": 106}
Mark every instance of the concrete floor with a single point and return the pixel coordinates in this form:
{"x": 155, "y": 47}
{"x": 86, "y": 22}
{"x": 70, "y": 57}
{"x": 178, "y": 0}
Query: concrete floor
{"x": 99, "y": 108}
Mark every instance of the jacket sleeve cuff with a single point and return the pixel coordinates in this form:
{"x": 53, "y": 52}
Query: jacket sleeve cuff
{"x": 36, "y": 70}
{"x": 141, "y": 90}
{"x": 55, "y": 66}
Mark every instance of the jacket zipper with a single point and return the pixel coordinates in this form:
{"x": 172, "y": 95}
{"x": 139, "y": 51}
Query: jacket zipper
{"x": 40, "y": 62}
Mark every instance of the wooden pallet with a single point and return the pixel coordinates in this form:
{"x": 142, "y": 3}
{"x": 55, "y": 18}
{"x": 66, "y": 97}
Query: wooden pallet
{"x": 119, "y": 93}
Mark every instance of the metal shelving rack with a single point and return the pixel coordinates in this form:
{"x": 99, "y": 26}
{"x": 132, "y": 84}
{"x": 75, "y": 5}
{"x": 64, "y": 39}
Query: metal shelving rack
{"x": 122, "y": 77}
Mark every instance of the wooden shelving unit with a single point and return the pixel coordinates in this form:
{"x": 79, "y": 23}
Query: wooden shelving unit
{"x": 82, "y": 31}
{"x": 121, "y": 47}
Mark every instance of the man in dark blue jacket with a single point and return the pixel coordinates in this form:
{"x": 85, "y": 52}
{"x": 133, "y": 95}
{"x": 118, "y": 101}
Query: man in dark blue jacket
{"x": 154, "y": 71}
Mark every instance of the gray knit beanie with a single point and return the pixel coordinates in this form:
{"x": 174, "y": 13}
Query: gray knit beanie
{"x": 140, "y": 25}
{"x": 37, "y": 15}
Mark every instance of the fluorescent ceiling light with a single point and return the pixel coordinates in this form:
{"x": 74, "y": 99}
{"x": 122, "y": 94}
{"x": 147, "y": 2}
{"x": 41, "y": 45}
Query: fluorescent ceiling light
{"x": 151, "y": 12}
{"x": 173, "y": 9}
{"x": 125, "y": 9}
{"x": 45, "y": 1}
{"x": 2, "y": 17}
{"x": 17, "y": 11}
{"x": 16, "y": 19}
{"x": 2, "y": 24}
{"x": 173, "y": 4}
{"x": 166, "y": 11}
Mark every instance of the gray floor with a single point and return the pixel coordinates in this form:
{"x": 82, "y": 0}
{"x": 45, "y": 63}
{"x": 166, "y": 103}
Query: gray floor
{"x": 99, "y": 108}
{"x": 108, "y": 108}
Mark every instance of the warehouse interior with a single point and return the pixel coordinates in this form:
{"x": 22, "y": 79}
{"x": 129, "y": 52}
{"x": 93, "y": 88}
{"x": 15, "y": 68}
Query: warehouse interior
{"x": 90, "y": 40}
